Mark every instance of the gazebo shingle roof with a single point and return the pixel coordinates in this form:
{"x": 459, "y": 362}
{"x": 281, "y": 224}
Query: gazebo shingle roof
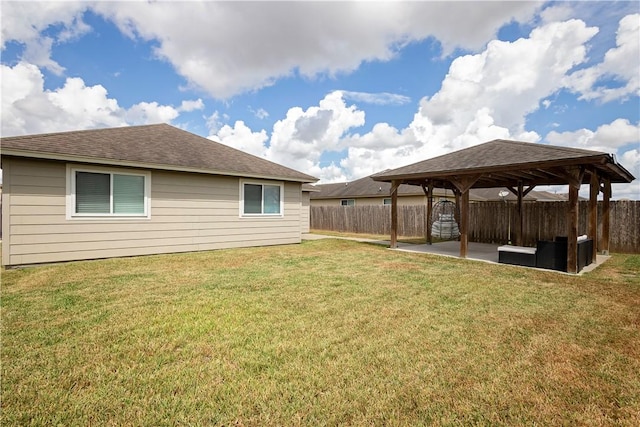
{"x": 158, "y": 146}
{"x": 503, "y": 162}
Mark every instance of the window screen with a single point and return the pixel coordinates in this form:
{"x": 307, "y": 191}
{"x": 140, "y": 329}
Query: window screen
{"x": 262, "y": 199}
{"x": 107, "y": 194}
{"x": 93, "y": 193}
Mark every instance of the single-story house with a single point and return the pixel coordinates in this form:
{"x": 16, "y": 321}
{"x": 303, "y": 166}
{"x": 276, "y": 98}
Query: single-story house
{"x": 141, "y": 190}
{"x": 367, "y": 192}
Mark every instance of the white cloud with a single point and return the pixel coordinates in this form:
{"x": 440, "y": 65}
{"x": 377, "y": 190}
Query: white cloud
{"x": 260, "y": 113}
{"x": 631, "y": 161}
{"x": 28, "y": 108}
{"x": 608, "y": 137}
{"x": 381, "y": 136}
{"x": 556, "y": 13}
{"x": 508, "y": 79}
{"x": 620, "y": 137}
{"x": 383, "y": 98}
{"x": 188, "y": 106}
{"x": 300, "y": 139}
{"x": 150, "y": 112}
{"x": 483, "y": 97}
{"x": 295, "y": 37}
{"x": 26, "y": 21}
{"x": 240, "y": 136}
{"x": 620, "y": 64}
{"x": 213, "y": 122}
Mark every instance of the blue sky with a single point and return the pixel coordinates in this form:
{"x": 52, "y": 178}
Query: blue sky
{"x": 339, "y": 90}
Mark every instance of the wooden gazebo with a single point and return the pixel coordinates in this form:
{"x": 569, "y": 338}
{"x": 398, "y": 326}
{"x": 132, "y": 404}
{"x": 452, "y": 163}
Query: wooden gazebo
{"x": 520, "y": 167}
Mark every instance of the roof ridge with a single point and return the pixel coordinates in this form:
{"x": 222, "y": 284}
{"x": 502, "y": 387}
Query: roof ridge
{"x": 537, "y": 144}
{"x": 74, "y": 132}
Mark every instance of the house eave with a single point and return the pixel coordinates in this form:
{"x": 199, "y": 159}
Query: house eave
{"x": 140, "y": 165}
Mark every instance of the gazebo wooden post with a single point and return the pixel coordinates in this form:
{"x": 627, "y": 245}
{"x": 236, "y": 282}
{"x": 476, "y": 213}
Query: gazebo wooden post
{"x": 572, "y": 230}
{"x": 394, "y": 213}
{"x": 463, "y": 185}
{"x": 606, "y": 209}
{"x": 574, "y": 176}
{"x": 464, "y": 223}
{"x": 594, "y": 189}
{"x": 428, "y": 191}
{"x": 520, "y": 237}
{"x": 456, "y": 213}
{"x": 520, "y": 193}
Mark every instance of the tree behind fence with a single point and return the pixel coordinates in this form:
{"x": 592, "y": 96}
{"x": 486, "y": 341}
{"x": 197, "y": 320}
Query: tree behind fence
{"x": 488, "y": 221}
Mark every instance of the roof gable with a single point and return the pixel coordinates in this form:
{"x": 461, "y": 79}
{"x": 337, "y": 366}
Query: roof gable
{"x": 159, "y": 146}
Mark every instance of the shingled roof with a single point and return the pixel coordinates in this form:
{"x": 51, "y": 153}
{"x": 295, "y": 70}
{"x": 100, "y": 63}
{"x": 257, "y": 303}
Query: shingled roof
{"x": 503, "y": 162}
{"x": 367, "y": 187}
{"x": 159, "y": 146}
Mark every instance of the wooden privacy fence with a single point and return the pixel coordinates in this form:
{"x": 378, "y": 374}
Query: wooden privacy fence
{"x": 488, "y": 221}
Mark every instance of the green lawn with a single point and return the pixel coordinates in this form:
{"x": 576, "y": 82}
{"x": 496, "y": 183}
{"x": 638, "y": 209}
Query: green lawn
{"x": 324, "y": 333}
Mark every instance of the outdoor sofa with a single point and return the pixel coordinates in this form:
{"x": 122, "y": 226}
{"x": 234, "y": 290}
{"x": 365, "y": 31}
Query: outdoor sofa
{"x": 551, "y": 255}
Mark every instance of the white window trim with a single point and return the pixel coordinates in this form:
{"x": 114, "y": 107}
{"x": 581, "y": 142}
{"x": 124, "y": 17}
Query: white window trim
{"x": 262, "y": 184}
{"x": 71, "y": 192}
{"x": 347, "y": 200}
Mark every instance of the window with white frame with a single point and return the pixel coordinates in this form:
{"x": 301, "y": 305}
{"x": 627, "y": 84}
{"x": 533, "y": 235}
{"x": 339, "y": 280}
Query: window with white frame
{"x": 100, "y": 192}
{"x": 347, "y": 202}
{"x": 262, "y": 199}
{"x": 386, "y": 201}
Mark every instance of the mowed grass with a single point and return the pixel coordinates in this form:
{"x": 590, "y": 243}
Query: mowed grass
{"x": 328, "y": 332}
{"x": 383, "y": 237}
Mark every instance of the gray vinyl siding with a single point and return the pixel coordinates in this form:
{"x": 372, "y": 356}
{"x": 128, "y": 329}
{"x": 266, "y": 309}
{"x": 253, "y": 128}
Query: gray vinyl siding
{"x": 305, "y": 212}
{"x": 189, "y": 212}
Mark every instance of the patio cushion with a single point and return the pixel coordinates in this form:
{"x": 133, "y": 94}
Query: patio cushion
{"x": 517, "y": 255}
{"x": 519, "y": 249}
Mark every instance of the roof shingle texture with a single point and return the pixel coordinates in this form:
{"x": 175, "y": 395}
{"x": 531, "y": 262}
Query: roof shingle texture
{"x": 497, "y": 153}
{"x": 159, "y": 145}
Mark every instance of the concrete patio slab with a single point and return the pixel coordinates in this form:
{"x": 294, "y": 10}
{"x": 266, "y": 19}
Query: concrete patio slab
{"x": 476, "y": 251}
{"x": 482, "y": 252}
{"x": 485, "y": 252}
